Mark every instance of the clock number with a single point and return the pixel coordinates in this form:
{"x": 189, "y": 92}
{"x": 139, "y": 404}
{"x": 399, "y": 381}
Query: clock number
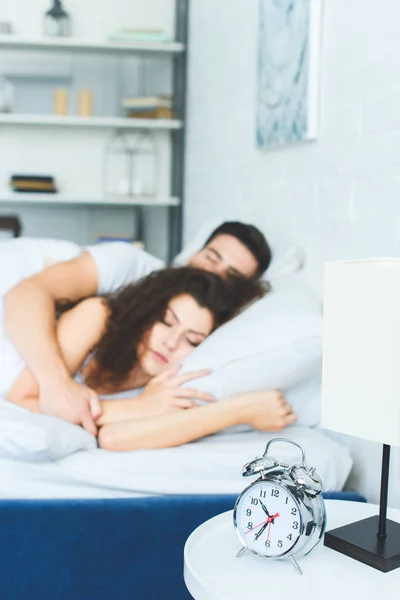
{"x": 289, "y": 537}
{"x": 295, "y": 525}
{"x": 254, "y": 501}
{"x": 275, "y": 493}
{"x": 293, "y": 511}
{"x": 280, "y": 544}
{"x": 263, "y": 493}
{"x": 267, "y": 544}
{"x": 249, "y": 525}
{"x": 287, "y": 499}
{"x": 248, "y": 512}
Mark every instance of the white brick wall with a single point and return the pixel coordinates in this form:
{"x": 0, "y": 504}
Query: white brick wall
{"x": 340, "y": 195}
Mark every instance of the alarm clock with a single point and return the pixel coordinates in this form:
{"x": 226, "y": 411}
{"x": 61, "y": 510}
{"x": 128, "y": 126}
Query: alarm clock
{"x": 281, "y": 515}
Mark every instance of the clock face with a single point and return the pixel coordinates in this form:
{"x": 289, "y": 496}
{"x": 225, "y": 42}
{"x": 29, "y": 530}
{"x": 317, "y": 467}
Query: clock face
{"x": 268, "y": 519}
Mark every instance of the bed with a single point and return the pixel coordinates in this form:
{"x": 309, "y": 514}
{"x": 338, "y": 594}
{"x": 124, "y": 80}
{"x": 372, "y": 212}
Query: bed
{"x": 102, "y": 549}
{"x": 96, "y": 524}
{"x": 80, "y": 521}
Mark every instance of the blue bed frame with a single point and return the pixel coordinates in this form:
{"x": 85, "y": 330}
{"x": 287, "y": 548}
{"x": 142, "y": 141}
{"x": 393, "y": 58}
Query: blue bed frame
{"x": 115, "y": 549}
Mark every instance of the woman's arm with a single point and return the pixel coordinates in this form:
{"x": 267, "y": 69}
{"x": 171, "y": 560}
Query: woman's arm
{"x": 266, "y": 411}
{"x": 78, "y": 331}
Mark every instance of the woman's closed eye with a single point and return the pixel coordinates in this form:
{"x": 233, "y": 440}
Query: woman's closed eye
{"x": 194, "y": 342}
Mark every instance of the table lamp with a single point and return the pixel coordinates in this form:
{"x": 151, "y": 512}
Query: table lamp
{"x": 361, "y": 386}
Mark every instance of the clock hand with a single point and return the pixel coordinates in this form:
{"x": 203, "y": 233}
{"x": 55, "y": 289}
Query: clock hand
{"x": 262, "y": 523}
{"x": 259, "y": 533}
{"x": 269, "y": 529}
{"x": 274, "y": 517}
{"x": 268, "y": 524}
{"x": 264, "y": 508}
{"x": 269, "y": 520}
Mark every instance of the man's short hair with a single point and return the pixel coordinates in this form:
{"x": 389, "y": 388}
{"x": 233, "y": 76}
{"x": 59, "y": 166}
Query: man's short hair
{"x": 249, "y": 236}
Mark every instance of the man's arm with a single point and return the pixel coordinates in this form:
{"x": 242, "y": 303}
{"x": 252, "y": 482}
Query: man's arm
{"x": 78, "y": 331}
{"x": 30, "y": 324}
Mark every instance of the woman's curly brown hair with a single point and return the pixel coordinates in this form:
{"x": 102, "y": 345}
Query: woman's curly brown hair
{"x": 134, "y": 309}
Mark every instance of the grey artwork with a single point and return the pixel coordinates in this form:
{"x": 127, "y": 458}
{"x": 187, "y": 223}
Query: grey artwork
{"x": 288, "y": 65}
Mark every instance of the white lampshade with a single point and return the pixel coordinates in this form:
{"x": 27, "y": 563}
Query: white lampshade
{"x": 361, "y": 354}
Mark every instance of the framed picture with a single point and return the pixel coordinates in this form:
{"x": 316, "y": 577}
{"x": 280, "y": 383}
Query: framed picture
{"x": 288, "y": 71}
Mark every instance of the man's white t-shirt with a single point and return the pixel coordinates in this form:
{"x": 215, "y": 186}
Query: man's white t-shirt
{"x": 119, "y": 264}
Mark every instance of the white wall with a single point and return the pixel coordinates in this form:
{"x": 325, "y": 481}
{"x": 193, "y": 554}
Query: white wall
{"x": 340, "y": 195}
{"x": 75, "y": 156}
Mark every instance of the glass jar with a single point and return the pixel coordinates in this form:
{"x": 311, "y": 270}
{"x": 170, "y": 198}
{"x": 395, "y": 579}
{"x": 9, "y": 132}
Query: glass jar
{"x": 131, "y": 165}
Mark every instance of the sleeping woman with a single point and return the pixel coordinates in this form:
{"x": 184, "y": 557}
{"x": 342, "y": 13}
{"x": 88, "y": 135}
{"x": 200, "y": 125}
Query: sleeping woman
{"x": 134, "y": 341}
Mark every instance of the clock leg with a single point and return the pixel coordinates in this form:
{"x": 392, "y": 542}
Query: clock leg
{"x": 296, "y": 565}
{"x": 241, "y": 552}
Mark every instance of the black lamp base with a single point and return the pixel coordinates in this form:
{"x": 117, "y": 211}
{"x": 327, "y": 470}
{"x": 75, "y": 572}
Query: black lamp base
{"x": 360, "y": 541}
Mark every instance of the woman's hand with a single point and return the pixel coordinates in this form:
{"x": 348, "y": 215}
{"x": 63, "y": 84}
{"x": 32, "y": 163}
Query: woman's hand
{"x": 163, "y": 393}
{"x": 266, "y": 411}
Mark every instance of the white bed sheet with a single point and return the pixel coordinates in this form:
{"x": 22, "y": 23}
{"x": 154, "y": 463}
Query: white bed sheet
{"x": 209, "y": 466}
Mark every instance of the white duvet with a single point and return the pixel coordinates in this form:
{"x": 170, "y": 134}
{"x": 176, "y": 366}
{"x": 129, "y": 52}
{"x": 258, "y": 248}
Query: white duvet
{"x": 45, "y": 457}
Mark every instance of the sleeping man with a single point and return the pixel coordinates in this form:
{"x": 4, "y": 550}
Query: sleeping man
{"x": 232, "y": 250}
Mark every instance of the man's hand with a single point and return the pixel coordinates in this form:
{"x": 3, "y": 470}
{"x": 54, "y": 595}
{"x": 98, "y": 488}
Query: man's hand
{"x": 71, "y": 401}
{"x": 163, "y": 393}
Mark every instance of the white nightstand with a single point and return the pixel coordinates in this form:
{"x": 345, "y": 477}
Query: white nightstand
{"x": 213, "y": 573}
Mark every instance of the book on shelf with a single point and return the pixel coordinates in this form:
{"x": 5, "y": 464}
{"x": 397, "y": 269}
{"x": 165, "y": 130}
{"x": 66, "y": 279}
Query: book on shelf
{"x": 33, "y": 183}
{"x": 150, "y": 113}
{"x": 148, "y": 102}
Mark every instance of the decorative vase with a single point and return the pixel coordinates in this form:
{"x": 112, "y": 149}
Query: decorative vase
{"x": 57, "y": 22}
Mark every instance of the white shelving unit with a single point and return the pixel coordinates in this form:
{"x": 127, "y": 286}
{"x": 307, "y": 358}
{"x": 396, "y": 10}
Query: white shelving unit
{"x": 169, "y": 199}
{"x": 14, "y": 42}
{"x": 61, "y": 199}
{"x": 97, "y": 122}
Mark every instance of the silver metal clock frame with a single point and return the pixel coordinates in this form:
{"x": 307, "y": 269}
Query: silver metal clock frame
{"x": 304, "y": 486}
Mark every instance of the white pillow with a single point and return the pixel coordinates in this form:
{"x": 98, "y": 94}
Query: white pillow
{"x": 287, "y": 257}
{"x": 37, "y": 438}
{"x": 274, "y": 344}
